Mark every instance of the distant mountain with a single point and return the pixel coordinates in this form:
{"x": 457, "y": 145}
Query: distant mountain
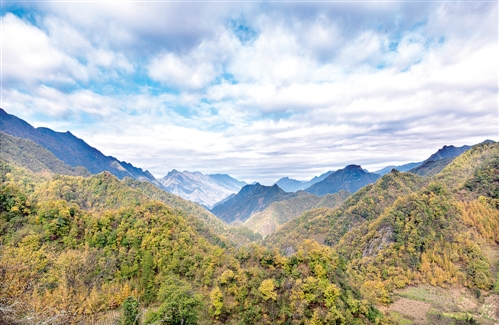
{"x": 431, "y": 167}
{"x": 401, "y": 168}
{"x": 278, "y": 213}
{"x": 443, "y": 153}
{"x": 293, "y": 185}
{"x": 197, "y": 187}
{"x": 289, "y": 184}
{"x": 225, "y": 200}
{"x": 28, "y": 154}
{"x": 351, "y": 179}
{"x": 71, "y": 150}
{"x": 227, "y": 181}
{"x": 250, "y": 200}
{"x": 448, "y": 152}
{"x": 437, "y": 162}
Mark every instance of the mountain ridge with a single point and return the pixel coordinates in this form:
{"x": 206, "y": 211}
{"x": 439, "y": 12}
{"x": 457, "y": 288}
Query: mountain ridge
{"x": 249, "y": 200}
{"x": 351, "y": 179}
{"x": 71, "y": 149}
{"x": 207, "y": 190}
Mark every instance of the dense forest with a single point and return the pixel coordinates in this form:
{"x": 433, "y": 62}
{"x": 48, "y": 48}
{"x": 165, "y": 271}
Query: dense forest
{"x": 73, "y": 249}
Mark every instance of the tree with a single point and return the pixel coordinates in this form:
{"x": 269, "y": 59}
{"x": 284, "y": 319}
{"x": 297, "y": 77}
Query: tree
{"x": 147, "y": 280}
{"x": 131, "y": 311}
{"x": 179, "y": 304}
{"x": 267, "y": 289}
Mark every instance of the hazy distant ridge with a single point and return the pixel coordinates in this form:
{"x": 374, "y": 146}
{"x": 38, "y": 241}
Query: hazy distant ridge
{"x": 197, "y": 187}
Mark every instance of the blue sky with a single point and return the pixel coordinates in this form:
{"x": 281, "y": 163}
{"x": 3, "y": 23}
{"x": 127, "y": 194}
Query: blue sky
{"x": 258, "y": 90}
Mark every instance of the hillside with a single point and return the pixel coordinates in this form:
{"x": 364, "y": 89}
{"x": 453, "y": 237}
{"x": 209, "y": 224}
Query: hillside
{"x": 431, "y": 167}
{"x": 203, "y": 189}
{"x": 71, "y": 150}
{"x": 441, "y": 231}
{"x": 250, "y": 200}
{"x": 350, "y": 179}
{"x": 74, "y": 249}
{"x": 327, "y": 226}
{"x": 26, "y": 153}
{"x": 436, "y": 235}
{"x": 278, "y": 213}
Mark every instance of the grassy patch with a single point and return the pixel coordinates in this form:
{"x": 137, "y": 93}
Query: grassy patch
{"x": 401, "y": 319}
{"x": 416, "y": 293}
{"x": 444, "y": 318}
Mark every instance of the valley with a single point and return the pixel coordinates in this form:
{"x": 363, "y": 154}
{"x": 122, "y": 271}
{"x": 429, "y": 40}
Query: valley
{"x": 87, "y": 238}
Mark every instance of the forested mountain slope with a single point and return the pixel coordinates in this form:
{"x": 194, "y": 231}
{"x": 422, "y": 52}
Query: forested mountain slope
{"x": 328, "y": 225}
{"x": 278, "y": 213}
{"x": 71, "y": 150}
{"x": 73, "y": 248}
{"x": 28, "y": 154}
{"x": 434, "y": 235}
{"x": 405, "y": 230}
{"x": 248, "y": 201}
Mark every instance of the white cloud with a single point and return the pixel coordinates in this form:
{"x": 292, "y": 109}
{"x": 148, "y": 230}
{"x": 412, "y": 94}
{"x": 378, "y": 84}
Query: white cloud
{"x": 182, "y": 72}
{"x": 29, "y": 57}
{"x": 303, "y": 96}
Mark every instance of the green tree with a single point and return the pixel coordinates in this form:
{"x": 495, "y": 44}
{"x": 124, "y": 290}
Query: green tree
{"x": 131, "y": 312}
{"x": 147, "y": 280}
{"x": 179, "y": 304}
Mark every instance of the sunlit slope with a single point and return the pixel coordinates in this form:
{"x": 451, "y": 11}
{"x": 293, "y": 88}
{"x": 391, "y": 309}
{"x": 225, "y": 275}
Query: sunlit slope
{"x": 28, "y": 154}
{"x": 278, "y": 213}
{"x": 435, "y": 235}
{"x": 328, "y": 225}
{"x": 73, "y": 249}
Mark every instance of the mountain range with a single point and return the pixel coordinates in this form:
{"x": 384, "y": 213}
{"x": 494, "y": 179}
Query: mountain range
{"x": 71, "y": 150}
{"x": 76, "y": 153}
{"x": 197, "y": 187}
{"x": 402, "y": 249}
{"x": 216, "y": 191}
{"x": 351, "y": 178}
{"x": 293, "y": 185}
{"x": 250, "y": 200}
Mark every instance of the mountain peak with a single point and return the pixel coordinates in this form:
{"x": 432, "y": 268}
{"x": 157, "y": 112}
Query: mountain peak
{"x": 447, "y": 152}
{"x": 351, "y": 179}
{"x": 197, "y": 187}
{"x": 250, "y": 199}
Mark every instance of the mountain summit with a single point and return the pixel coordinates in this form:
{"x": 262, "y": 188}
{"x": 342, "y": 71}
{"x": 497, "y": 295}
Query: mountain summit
{"x": 351, "y": 179}
{"x": 293, "y": 185}
{"x": 250, "y": 199}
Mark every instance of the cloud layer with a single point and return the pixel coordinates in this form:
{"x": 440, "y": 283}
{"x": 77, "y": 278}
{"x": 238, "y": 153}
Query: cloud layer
{"x": 256, "y": 90}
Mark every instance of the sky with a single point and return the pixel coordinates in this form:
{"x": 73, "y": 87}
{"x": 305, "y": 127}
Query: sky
{"x": 257, "y": 90}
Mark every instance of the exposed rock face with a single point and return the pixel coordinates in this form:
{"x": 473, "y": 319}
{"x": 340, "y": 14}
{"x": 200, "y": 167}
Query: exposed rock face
{"x": 384, "y": 237}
